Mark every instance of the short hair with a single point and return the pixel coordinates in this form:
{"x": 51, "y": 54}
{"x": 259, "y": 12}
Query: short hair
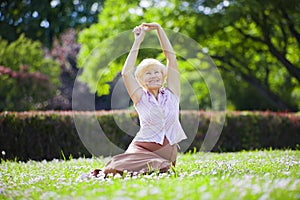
{"x": 146, "y": 64}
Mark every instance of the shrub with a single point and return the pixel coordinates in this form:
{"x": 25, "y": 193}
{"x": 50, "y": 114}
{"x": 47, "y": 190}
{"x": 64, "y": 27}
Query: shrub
{"x": 46, "y": 135}
{"x": 28, "y": 79}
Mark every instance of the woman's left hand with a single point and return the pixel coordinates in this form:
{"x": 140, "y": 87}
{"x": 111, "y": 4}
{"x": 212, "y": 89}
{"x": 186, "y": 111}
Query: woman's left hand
{"x": 150, "y": 26}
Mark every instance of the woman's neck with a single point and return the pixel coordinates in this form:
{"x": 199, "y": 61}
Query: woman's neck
{"x": 154, "y": 92}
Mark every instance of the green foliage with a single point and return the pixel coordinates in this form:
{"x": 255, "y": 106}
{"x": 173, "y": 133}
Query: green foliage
{"x": 96, "y": 59}
{"x": 105, "y": 46}
{"x": 254, "y": 44}
{"x": 251, "y": 41}
{"x": 28, "y": 79}
{"x": 38, "y": 20}
{"x": 43, "y": 135}
{"x": 27, "y": 55}
{"x": 40, "y": 136}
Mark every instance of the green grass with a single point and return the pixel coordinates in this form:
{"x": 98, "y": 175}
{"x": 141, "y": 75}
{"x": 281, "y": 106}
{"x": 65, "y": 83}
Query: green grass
{"x": 243, "y": 175}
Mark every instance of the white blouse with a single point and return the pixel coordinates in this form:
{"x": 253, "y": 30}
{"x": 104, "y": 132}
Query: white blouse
{"x": 159, "y": 118}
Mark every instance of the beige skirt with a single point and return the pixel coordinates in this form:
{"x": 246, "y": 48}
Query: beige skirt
{"x": 143, "y": 157}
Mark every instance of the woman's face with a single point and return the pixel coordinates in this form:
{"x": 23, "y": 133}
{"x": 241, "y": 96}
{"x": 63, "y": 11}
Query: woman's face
{"x": 152, "y": 78}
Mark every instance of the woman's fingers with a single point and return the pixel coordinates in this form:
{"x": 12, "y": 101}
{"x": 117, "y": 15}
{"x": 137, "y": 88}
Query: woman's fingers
{"x": 137, "y": 30}
{"x": 150, "y": 26}
{"x": 139, "y": 33}
{"x": 145, "y": 27}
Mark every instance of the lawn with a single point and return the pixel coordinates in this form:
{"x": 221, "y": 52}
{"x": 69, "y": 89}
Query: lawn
{"x": 269, "y": 174}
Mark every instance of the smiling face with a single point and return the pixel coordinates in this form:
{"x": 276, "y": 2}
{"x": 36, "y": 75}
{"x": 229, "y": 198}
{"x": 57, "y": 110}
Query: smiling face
{"x": 151, "y": 74}
{"x": 152, "y": 78}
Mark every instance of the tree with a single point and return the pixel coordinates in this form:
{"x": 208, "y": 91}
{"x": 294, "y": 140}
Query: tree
{"x": 42, "y": 19}
{"x": 105, "y": 45}
{"x": 64, "y": 50}
{"x": 255, "y": 44}
{"x": 27, "y": 79}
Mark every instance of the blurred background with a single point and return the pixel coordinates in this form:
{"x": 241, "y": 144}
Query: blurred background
{"x": 43, "y": 43}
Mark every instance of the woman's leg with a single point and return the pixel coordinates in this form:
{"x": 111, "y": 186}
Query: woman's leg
{"x": 138, "y": 155}
{"x": 167, "y": 151}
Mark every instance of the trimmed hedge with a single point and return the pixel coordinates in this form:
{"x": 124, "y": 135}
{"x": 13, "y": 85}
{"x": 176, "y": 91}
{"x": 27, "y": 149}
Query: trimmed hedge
{"x": 48, "y": 135}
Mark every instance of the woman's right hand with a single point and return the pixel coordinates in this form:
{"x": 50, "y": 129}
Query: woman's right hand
{"x": 139, "y": 33}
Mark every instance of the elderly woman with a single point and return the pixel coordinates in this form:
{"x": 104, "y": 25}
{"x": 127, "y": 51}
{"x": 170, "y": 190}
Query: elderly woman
{"x": 154, "y": 148}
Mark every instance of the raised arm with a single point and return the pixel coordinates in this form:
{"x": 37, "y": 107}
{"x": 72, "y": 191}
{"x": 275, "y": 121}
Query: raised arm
{"x": 132, "y": 86}
{"x": 173, "y": 77}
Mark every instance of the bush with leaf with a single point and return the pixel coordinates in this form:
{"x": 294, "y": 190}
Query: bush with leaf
{"x": 28, "y": 79}
{"x": 45, "y": 135}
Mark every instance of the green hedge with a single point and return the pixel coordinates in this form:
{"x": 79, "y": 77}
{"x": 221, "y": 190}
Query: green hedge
{"x": 48, "y": 135}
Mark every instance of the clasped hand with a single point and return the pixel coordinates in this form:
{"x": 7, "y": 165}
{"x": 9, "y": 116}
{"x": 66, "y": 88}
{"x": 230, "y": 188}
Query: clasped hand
{"x": 140, "y": 31}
